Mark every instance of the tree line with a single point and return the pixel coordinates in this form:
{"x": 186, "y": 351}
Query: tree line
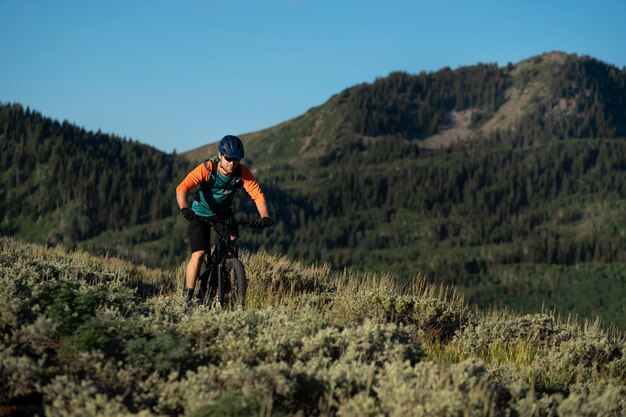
{"x": 98, "y": 181}
{"x": 525, "y": 198}
{"x": 581, "y": 97}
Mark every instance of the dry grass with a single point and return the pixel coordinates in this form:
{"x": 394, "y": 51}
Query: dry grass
{"x": 82, "y": 334}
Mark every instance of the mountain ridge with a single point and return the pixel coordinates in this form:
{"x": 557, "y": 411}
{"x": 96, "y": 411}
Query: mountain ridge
{"x": 502, "y": 98}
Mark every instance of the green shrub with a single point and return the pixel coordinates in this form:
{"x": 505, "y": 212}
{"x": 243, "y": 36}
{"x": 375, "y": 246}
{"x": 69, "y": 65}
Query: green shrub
{"x": 104, "y": 334}
{"x": 602, "y": 399}
{"x": 76, "y": 333}
{"x": 429, "y": 389}
{"x": 231, "y": 404}
{"x": 64, "y": 304}
{"x": 163, "y": 352}
{"x": 432, "y": 318}
{"x": 537, "y": 329}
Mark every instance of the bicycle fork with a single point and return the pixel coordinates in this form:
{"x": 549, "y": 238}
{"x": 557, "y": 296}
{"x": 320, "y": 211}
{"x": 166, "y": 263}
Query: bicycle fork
{"x": 221, "y": 254}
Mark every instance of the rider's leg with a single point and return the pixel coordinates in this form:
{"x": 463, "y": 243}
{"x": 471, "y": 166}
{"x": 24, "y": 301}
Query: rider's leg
{"x": 199, "y": 238}
{"x": 193, "y": 268}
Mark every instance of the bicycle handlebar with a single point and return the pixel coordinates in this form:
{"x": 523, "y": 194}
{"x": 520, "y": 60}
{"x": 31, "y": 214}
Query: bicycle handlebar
{"x": 248, "y": 224}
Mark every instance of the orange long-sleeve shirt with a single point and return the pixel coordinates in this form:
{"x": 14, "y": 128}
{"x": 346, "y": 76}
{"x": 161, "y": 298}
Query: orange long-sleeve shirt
{"x": 221, "y": 194}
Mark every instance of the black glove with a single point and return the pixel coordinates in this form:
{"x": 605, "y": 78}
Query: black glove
{"x": 265, "y": 222}
{"x": 188, "y": 213}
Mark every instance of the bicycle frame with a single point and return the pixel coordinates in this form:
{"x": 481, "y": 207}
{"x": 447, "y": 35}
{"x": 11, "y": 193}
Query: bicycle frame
{"x": 218, "y": 258}
{"x": 221, "y": 251}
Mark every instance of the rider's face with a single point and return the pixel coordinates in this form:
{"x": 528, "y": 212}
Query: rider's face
{"x": 228, "y": 164}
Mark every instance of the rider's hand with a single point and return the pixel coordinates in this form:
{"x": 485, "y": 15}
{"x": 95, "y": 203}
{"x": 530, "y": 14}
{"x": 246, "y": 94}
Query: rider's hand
{"x": 265, "y": 222}
{"x": 188, "y": 213}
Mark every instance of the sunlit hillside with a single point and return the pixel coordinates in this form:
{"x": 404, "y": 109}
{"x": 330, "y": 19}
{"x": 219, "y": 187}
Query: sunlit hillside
{"x": 522, "y": 207}
{"x": 89, "y": 336}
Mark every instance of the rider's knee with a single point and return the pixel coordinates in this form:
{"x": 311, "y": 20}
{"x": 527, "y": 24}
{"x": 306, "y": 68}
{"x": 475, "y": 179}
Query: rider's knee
{"x": 197, "y": 256}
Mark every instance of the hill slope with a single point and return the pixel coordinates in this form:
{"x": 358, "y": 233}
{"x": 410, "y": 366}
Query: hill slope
{"x": 554, "y": 95}
{"x": 87, "y": 336}
{"x": 525, "y": 209}
{"x": 62, "y": 184}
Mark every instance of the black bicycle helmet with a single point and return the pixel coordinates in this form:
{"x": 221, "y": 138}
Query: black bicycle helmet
{"x": 231, "y": 147}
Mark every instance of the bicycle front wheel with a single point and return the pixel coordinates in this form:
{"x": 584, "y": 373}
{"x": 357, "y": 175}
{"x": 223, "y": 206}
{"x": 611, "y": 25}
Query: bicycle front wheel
{"x": 235, "y": 277}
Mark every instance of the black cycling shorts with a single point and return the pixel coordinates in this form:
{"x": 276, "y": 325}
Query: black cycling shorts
{"x": 200, "y": 231}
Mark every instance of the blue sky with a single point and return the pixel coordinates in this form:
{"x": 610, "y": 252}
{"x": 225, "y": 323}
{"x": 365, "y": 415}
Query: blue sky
{"x": 180, "y": 74}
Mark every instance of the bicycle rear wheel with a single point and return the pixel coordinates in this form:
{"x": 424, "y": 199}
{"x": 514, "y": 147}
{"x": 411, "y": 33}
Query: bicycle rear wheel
{"x": 236, "y": 284}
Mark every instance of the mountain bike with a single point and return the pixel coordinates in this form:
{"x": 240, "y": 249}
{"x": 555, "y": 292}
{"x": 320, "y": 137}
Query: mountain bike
{"x": 222, "y": 274}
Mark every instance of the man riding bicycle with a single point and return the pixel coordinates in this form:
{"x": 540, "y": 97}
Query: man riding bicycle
{"x": 217, "y": 181}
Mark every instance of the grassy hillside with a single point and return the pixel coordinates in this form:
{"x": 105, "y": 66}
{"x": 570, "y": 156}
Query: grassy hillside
{"x": 297, "y": 141}
{"x": 87, "y": 336}
{"x": 524, "y": 209}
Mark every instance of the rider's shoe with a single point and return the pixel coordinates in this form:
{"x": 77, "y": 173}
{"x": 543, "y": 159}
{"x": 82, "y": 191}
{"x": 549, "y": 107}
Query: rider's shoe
{"x": 188, "y": 295}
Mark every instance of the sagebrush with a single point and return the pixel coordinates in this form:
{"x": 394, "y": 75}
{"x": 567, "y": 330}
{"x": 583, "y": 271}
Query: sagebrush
{"x": 90, "y": 336}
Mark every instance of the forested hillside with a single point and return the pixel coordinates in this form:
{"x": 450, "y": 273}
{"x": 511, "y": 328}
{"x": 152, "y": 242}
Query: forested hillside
{"x": 62, "y": 184}
{"x": 551, "y": 96}
{"x": 506, "y": 181}
{"x": 562, "y": 96}
{"x": 525, "y": 208}
{"x": 510, "y": 225}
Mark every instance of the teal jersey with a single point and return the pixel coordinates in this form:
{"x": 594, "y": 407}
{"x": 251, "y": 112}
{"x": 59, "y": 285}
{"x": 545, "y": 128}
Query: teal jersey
{"x": 218, "y": 199}
{"x": 216, "y": 191}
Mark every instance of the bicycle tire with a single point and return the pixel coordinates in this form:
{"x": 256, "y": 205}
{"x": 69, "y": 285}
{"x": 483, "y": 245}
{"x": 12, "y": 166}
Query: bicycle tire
{"x": 203, "y": 281}
{"x": 236, "y": 283}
